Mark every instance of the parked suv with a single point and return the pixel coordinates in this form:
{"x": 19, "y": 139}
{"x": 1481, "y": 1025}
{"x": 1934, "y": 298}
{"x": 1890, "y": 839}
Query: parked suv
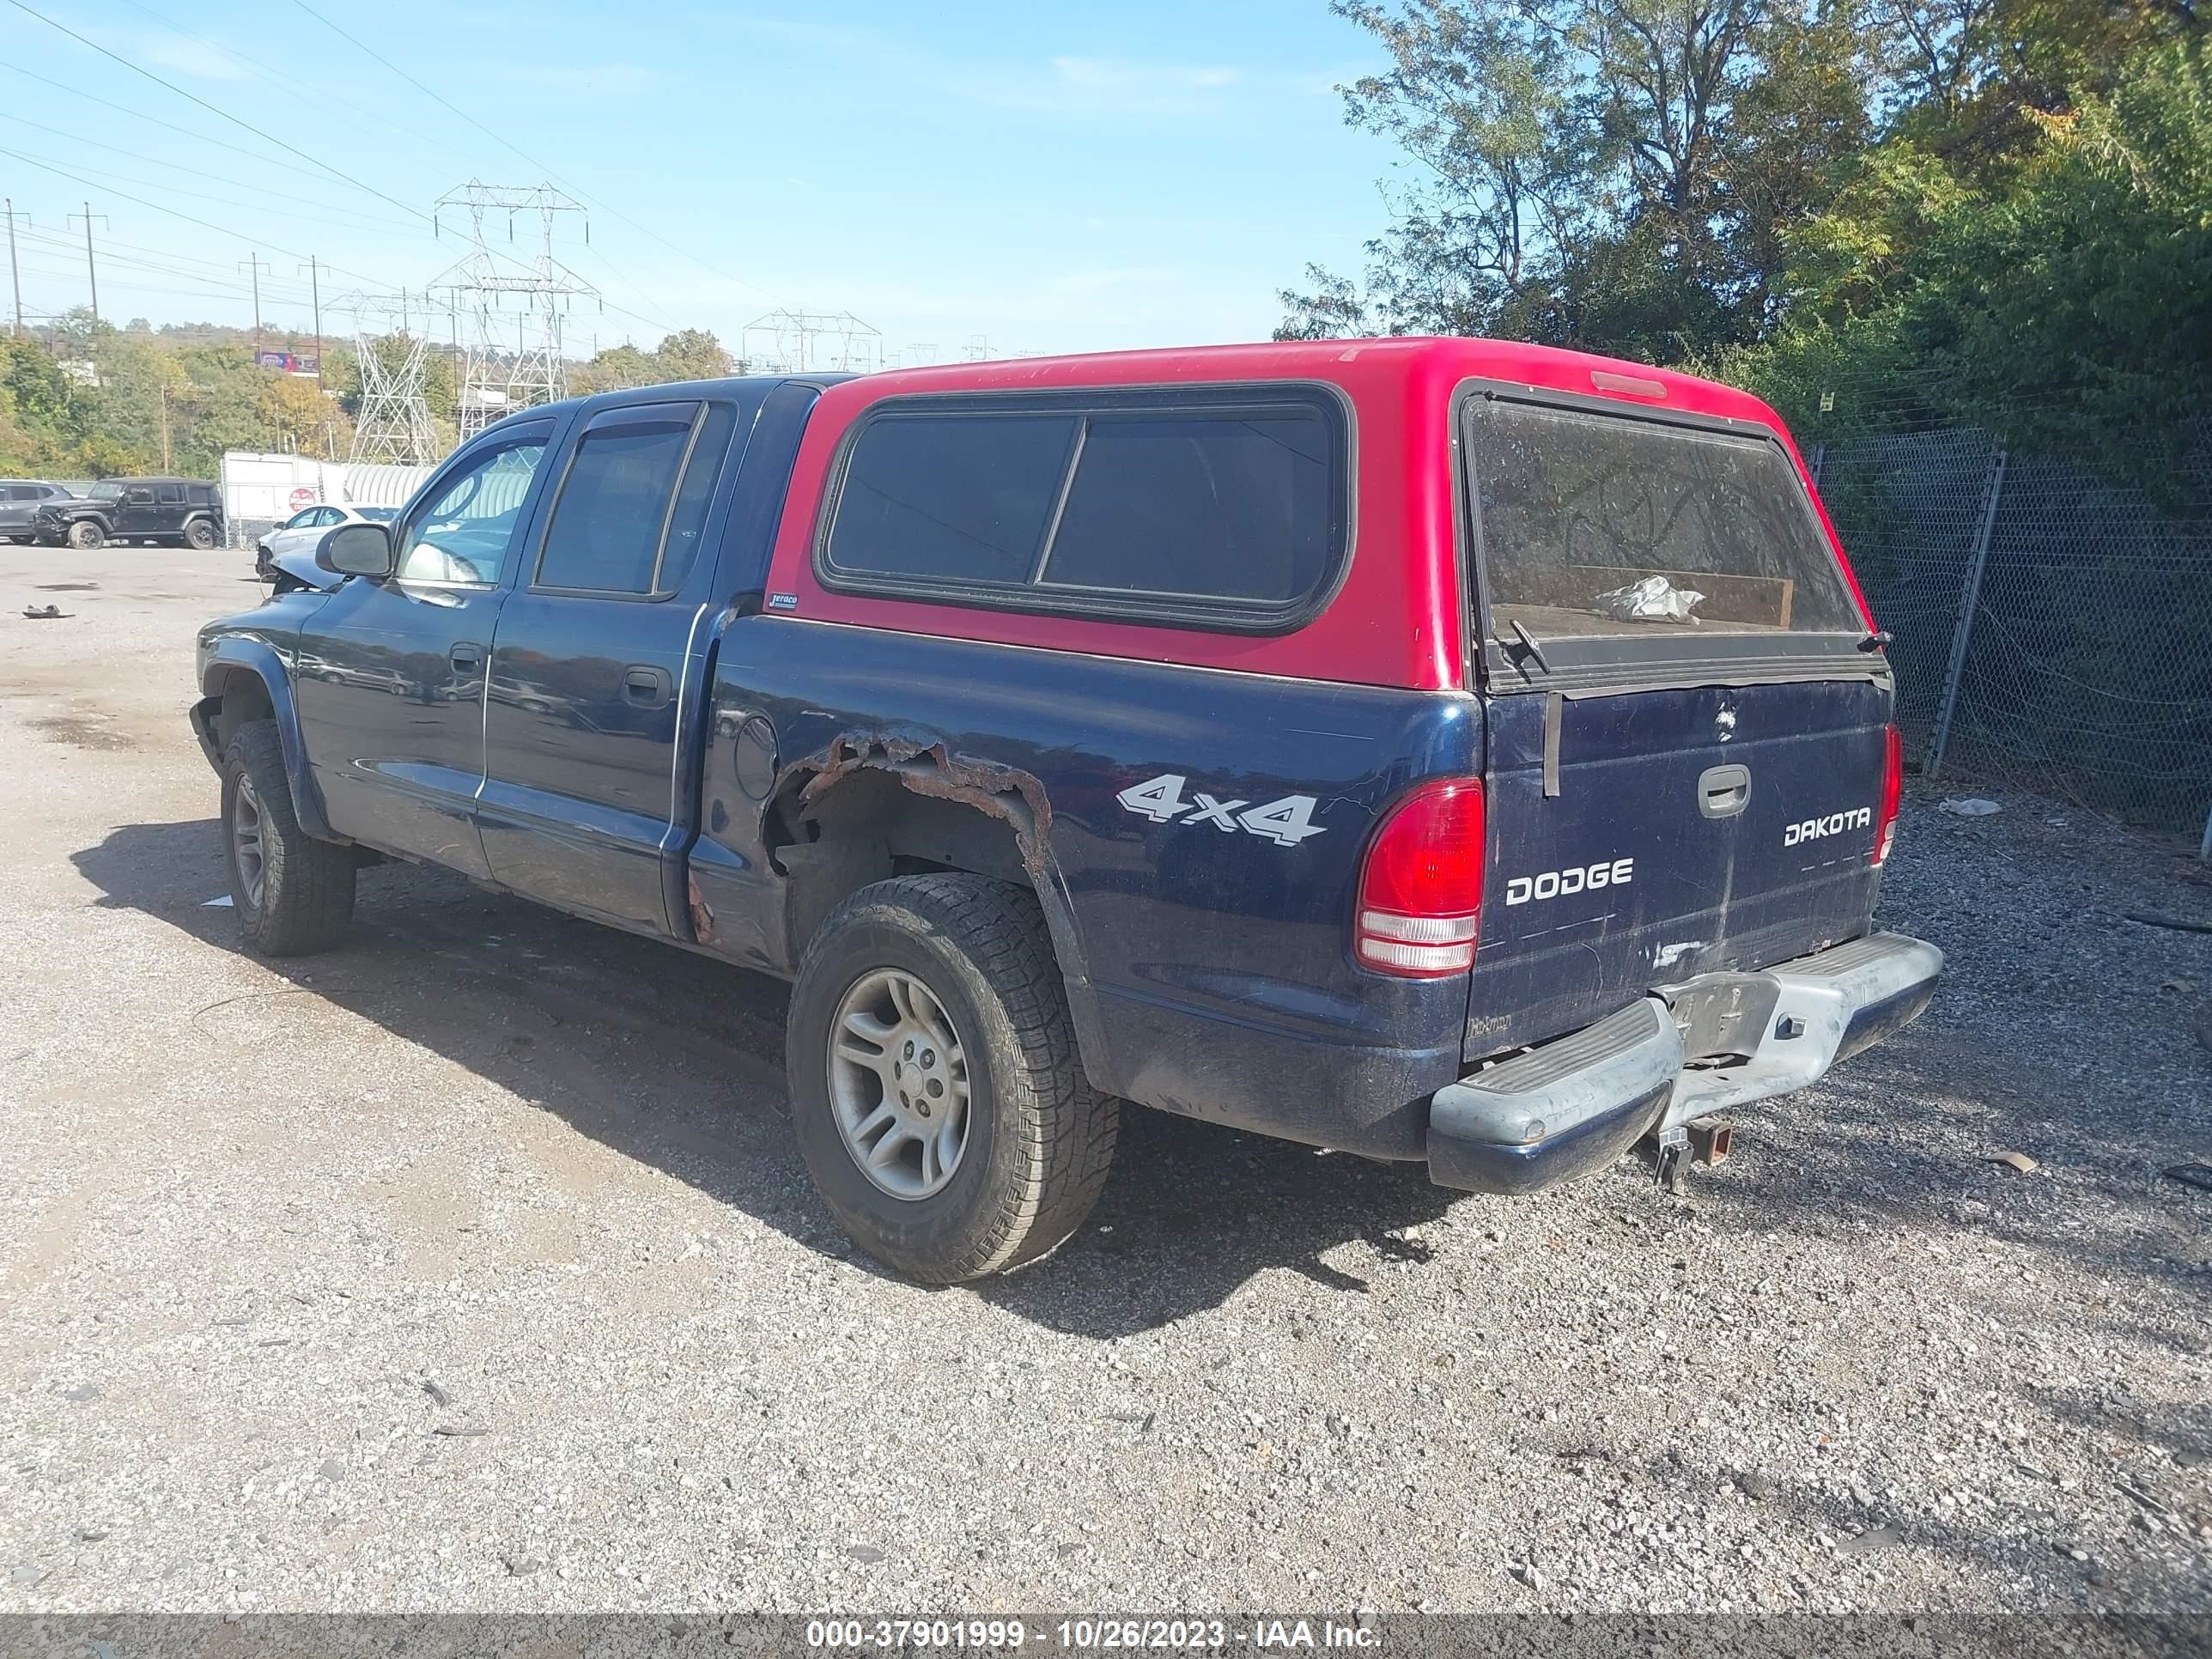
{"x": 19, "y": 499}
{"x": 180, "y": 510}
{"x": 1433, "y": 750}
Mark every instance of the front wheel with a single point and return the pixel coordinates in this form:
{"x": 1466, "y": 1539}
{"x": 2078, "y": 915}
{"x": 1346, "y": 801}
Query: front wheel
{"x": 293, "y": 894}
{"x": 934, "y": 1085}
{"x": 85, "y": 536}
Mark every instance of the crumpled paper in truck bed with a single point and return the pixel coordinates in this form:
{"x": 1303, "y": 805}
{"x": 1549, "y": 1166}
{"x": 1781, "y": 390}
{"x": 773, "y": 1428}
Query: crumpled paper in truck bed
{"x": 1653, "y": 599}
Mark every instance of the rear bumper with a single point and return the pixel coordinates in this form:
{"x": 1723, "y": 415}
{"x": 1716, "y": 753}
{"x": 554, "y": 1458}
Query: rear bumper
{"x": 1683, "y": 1053}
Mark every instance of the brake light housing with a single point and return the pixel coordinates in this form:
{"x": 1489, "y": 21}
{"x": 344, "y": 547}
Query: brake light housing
{"x": 1893, "y": 793}
{"x": 1420, "y": 885}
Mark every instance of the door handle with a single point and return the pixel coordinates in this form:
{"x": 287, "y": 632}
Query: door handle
{"x": 1723, "y": 791}
{"x": 465, "y": 657}
{"x": 646, "y": 685}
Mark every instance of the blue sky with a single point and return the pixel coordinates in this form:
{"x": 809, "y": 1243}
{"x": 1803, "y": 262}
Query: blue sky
{"x": 1047, "y": 177}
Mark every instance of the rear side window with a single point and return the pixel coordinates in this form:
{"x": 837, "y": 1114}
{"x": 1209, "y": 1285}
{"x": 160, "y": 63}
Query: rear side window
{"x": 169, "y": 495}
{"x": 614, "y": 514}
{"x": 687, "y": 521}
{"x": 24, "y": 493}
{"x": 1203, "y": 508}
{"x": 1579, "y": 506}
{"x": 1228, "y": 509}
{"x": 963, "y": 498}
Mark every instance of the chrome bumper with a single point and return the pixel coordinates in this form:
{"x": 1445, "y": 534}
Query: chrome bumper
{"x": 1681, "y": 1053}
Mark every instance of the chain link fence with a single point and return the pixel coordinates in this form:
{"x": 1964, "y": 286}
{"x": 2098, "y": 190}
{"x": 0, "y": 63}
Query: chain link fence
{"x": 2053, "y": 627}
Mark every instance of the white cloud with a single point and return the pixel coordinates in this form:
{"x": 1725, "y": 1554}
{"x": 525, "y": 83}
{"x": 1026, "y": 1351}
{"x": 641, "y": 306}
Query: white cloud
{"x": 619, "y": 80}
{"x": 1065, "y": 84}
{"x": 1096, "y": 86}
{"x": 187, "y": 56}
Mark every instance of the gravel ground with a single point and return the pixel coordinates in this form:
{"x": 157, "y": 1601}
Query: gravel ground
{"x": 473, "y": 1268}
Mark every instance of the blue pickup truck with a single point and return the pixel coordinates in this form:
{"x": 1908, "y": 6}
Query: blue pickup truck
{"x": 1433, "y": 750}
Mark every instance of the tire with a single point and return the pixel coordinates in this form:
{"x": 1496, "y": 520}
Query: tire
{"x": 298, "y": 897}
{"x": 199, "y": 534}
{"x": 85, "y": 536}
{"x": 1037, "y": 1141}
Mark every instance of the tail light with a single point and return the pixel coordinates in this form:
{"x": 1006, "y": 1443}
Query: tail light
{"x": 1892, "y": 793}
{"x": 1420, "y": 890}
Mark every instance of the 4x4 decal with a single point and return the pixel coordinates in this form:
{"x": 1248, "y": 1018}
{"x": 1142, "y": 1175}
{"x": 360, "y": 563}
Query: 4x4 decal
{"x": 1286, "y": 822}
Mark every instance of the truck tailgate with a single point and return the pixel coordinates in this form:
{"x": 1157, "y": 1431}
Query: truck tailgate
{"x": 1691, "y": 830}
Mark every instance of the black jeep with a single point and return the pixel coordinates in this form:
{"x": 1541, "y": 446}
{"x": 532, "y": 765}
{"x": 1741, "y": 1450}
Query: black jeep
{"x": 179, "y": 510}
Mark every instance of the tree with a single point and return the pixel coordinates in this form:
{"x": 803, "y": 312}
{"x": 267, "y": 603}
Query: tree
{"x": 694, "y": 354}
{"x": 1618, "y": 173}
{"x": 301, "y": 418}
{"x": 612, "y": 369}
{"x": 2070, "y": 302}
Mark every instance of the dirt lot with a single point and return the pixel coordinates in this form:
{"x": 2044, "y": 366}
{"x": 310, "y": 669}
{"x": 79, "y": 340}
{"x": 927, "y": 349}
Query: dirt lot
{"x": 473, "y": 1266}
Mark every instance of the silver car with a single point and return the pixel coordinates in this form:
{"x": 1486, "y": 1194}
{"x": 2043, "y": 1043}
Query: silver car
{"x": 19, "y": 499}
{"x": 299, "y": 533}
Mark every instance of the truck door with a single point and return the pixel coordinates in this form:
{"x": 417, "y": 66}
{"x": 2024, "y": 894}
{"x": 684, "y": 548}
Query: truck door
{"x": 586, "y": 710}
{"x": 1688, "y": 744}
{"x": 390, "y": 676}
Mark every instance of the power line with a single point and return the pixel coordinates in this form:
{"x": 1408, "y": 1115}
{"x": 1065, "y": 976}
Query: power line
{"x": 211, "y": 287}
{"x": 216, "y": 109}
{"x": 172, "y": 212}
{"x": 323, "y": 93}
{"x": 549, "y": 173}
{"x": 47, "y": 87}
{"x": 202, "y": 173}
{"x": 377, "y": 226}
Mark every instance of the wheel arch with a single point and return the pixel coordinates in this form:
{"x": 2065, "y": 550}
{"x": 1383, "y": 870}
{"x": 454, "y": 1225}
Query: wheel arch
{"x": 871, "y": 808}
{"x": 245, "y": 679}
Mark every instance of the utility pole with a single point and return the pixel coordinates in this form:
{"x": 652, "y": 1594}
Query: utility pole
{"x": 165, "y": 426}
{"x": 91, "y": 270}
{"x": 14, "y": 275}
{"x": 257, "y": 264}
{"x": 315, "y": 289}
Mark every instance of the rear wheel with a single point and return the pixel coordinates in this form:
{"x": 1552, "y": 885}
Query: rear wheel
{"x": 85, "y": 534}
{"x": 934, "y": 1084}
{"x": 200, "y": 534}
{"x": 293, "y": 894}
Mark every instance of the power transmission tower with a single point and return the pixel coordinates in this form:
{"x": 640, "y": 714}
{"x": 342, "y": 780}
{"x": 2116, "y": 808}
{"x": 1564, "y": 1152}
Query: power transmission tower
{"x": 799, "y": 342}
{"x": 393, "y": 424}
{"x": 496, "y": 379}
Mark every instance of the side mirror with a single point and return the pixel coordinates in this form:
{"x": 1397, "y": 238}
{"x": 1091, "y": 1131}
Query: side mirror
{"x": 356, "y": 549}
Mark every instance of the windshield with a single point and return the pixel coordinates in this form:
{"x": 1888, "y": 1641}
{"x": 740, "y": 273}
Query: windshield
{"x": 107, "y": 492}
{"x": 1596, "y": 524}
{"x": 377, "y": 514}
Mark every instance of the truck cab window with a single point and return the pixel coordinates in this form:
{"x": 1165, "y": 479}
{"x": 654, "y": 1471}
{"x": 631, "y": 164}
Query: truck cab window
{"x": 612, "y": 514}
{"x": 464, "y": 535}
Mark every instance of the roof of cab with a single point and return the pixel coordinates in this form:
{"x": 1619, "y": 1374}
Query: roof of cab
{"x": 1430, "y": 359}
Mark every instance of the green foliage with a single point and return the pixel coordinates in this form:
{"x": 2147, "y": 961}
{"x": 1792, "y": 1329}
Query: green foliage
{"x": 1619, "y": 172}
{"x": 692, "y": 354}
{"x": 1913, "y": 211}
{"x": 2067, "y": 302}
